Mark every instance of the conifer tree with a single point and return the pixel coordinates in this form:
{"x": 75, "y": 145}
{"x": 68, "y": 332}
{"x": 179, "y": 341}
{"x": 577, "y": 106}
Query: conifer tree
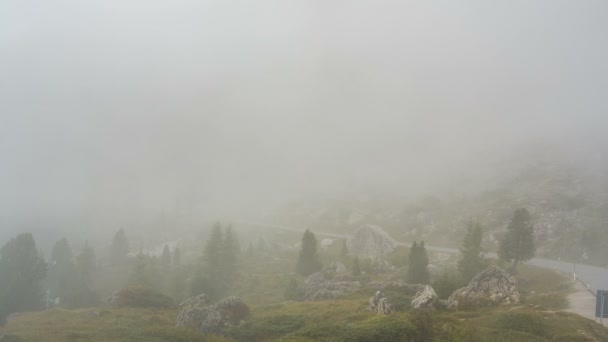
{"x": 82, "y": 294}
{"x": 165, "y": 260}
{"x": 209, "y": 277}
{"x": 229, "y": 257}
{"x": 86, "y": 264}
{"x": 22, "y": 270}
{"x": 472, "y": 260}
{"x": 119, "y": 248}
{"x": 518, "y": 243}
{"x": 308, "y": 260}
{"x": 418, "y": 272}
{"x": 61, "y": 275}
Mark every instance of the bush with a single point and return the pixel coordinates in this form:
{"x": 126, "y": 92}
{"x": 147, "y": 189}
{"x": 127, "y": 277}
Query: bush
{"x": 269, "y": 327}
{"x": 141, "y": 297}
{"x": 446, "y": 284}
{"x": 524, "y": 322}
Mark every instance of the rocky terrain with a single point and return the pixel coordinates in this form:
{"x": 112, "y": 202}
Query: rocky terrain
{"x": 567, "y": 198}
{"x": 370, "y": 241}
{"x": 198, "y": 314}
{"x": 492, "y": 287}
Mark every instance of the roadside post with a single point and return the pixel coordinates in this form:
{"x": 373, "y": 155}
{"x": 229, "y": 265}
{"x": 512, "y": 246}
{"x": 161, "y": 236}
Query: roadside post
{"x": 601, "y": 305}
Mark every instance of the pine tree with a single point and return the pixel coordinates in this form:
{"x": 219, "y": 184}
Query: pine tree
{"x": 472, "y": 261}
{"x": 139, "y": 277}
{"x": 165, "y": 260}
{"x": 61, "y": 274}
{"x": 356, "y": 268}
{"x": 22, "y": 270}
{"x": 82, "y": 294}
{"x": 209, "y": 276}
{"x": 417, "y": 272}
{"x": 518, "y": 243}
{"x": 119, "y": 248}
{"x": 308, "y": 260}
{"x": 229, "y": 258}
{"x": 86, "y": 264}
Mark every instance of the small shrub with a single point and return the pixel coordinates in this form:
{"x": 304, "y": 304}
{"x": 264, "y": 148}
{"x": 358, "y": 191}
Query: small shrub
{"x": 140, "y": 297}
{"x": 524, "y": 322}
{"x": 423, "y": 322}
{"x": 446, "y": 284}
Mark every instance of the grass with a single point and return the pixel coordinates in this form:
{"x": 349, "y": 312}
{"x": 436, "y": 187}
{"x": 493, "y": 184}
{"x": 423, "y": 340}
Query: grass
{"x": 345, "y": 319}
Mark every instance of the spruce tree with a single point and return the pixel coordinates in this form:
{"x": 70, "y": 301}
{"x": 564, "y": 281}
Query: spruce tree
{"x": 119, "y": 248}
{"x": 83, "y": 295}
{"x": 518, "y": 243}
{"x": 472, "y": 260}
{"x": 22, "y": 270}
{"x": 417, "y": 272}
{"x": 165, "y": 260}
{"x": 61, "y": 274}
{"x": 230, "y": 254}
{"x": 209, "y": 276}
{"x": 308, "y": 260}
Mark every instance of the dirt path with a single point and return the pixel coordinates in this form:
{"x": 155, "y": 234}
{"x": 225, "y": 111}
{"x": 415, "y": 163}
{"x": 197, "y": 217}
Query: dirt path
{"x": 582, "y": 302}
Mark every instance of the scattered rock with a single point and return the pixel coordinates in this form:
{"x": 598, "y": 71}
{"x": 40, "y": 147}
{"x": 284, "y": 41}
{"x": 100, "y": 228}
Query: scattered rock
{"x": 370, "y": 241}
{"x": 492, "y": 287}
{"x": 316, "y": 287}
{"x": 380, "y": 304}
{"x": 213, "y": 319}
{"x": 425, "y": 298}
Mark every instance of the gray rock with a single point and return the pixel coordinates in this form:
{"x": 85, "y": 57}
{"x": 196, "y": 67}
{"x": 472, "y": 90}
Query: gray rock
{"x": 212, "y": 319}
{"x": 425, "y": 298}
{"x": 200, "y": 300}
{"x": 316, "y": 287}
{"x": 380, "y": 304}
{"x": 492, "y": 287}
{"x": 370, "y": 241}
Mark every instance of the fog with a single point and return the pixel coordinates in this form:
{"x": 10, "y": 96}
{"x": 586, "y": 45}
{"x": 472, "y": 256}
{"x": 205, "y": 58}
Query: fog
{"x": 114, "y": 112}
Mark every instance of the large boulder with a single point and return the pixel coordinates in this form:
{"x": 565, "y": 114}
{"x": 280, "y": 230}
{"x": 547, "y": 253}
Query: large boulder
{"x": 425, "y": 298}
{"x": 492, "y": 287}
{"x": 370, "y": 241}
{"x": 380, "y": 304}
{"x": 195, "y": 313}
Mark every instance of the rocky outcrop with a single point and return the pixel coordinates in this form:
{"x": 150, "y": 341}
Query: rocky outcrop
{"x": 316, "y": 287}
{"x": 200, "y": 300}
{"x": 492, "y": 287}
{"x": 370, "y": 241}
{"x": 380, "y": 304}
{"x": 195, "y": 313}
{"x": 425, "y": 298}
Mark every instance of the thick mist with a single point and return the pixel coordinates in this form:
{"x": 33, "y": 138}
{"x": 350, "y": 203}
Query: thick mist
{"x": 115, "y": 113}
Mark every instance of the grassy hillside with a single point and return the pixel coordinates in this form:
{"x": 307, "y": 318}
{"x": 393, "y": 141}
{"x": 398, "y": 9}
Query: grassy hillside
{"x": 345, "y": 319}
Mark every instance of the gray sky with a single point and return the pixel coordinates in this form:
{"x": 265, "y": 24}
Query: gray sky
{"x": 128, "y": 108}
